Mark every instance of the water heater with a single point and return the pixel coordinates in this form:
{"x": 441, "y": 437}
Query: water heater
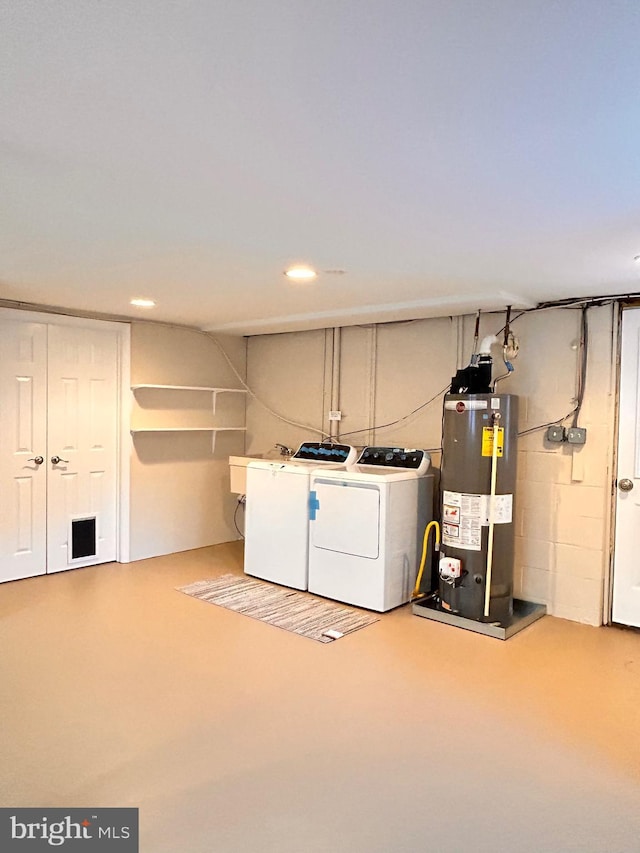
{"x": 478, "y": 480}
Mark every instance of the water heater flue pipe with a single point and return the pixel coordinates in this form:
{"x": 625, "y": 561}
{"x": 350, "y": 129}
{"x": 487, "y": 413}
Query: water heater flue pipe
{"x": 486, "y": 344}
{"x": 476, "y": 333}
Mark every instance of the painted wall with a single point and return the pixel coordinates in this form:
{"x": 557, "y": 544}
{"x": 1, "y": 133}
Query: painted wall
{"x": 180, "y": 495}
{"x": 388, "y": 371}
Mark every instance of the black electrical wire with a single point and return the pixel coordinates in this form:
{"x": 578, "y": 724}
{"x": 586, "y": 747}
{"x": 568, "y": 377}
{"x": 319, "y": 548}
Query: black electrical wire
{"x": 431, "y": 399}
{"x": 584, "y": 303}
{"x": 235, "y": 519}
{"x": 590, "y": 301}
{"x": 582, "y": 379}
{"x": 547, "y": 425}
{"x": 513, "y": 319}
{"x": 399, "y": 420}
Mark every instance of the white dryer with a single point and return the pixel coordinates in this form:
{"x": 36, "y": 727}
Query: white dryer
{"x": 367, "y": 525}
{"x": 276, "y": 535}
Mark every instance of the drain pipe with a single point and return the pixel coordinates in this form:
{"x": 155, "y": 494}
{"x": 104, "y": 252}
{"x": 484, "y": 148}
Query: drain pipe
{"x": 505, "y": 346}
{"x": 476, "y": 334}
{"x": 373, "y": 361}
{"x": 334, "y": 426}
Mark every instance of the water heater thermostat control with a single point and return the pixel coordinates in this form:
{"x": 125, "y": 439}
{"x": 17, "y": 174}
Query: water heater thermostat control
{"x": 450, "y": 568}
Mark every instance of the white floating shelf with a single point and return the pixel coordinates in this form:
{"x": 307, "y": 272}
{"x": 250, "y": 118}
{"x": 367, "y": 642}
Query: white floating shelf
{"x": 214, "y": 430}
{"x": 213, "y": 391}
{"x": 187, "y": 429}
{"x": 190, "y": 388}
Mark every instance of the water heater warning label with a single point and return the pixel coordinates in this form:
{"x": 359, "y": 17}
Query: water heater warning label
{"x": 464, "y": 516}
{"x": 487, "y": 441}
{"x": 502, "y": 510}
{"x": 462, "y": 520}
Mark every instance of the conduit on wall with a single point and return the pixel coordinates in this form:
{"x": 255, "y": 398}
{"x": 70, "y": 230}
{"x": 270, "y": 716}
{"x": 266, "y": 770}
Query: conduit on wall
{"x": 334, "y": 426}
{"x": 373, "y": 362}
{"x": 332, "y": 387}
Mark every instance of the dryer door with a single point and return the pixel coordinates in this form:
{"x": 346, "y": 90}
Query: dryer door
{"x": 347, "y": 518}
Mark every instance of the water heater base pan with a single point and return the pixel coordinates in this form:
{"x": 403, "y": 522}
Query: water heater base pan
{"x": 524, "y": 613}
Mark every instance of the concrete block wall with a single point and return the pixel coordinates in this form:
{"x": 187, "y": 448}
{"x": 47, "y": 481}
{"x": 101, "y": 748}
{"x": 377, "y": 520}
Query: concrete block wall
{"x": 564, "y": 491}
{"x": 562, "y": 520}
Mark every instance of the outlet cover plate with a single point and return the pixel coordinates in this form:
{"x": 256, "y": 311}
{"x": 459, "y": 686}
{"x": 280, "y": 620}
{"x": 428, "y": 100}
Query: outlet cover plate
{"x": 577, "y": 435}
{"x": 335, "y": 415}
{"x": 555, "y": 433}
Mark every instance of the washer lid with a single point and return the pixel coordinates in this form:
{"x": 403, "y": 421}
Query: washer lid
{"x": 368, "y": 474}
{"x": 293, "y": 466}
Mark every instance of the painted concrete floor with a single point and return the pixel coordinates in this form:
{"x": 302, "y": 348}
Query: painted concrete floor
{"x": 234, "y": 736}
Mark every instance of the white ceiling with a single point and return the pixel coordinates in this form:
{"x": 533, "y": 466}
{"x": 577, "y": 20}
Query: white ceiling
{"x": 447, "y": 154}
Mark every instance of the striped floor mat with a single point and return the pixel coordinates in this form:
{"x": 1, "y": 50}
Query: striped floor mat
{"x": 298, "y": 612}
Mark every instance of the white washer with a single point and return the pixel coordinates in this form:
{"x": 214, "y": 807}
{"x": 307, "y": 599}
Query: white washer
{"x": 366, "y": 532}
{"x": 276, "y": 546}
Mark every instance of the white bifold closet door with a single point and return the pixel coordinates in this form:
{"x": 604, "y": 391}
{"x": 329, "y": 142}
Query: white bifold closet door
{"x": 23, "y": 443}
{"x": 58, "y": 447}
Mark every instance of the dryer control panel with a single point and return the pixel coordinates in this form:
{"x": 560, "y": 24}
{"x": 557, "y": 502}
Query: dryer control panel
{"x": 316, "y": 451}
{"x": 396, "y": 457}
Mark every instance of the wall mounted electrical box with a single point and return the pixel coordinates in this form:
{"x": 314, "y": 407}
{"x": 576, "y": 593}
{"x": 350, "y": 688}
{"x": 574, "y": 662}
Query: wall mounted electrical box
{"x": 577, "y": 435}
{"x": 555, "y": 433}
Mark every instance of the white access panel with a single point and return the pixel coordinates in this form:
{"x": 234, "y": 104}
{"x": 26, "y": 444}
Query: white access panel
{"x": 347, "y": 519}
{"x": 276, "y": 523}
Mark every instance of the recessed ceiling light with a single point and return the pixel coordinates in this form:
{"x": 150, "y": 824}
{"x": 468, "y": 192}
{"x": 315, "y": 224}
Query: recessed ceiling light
{"x": 140, "y": 302}
{"x": 301, "y": 273}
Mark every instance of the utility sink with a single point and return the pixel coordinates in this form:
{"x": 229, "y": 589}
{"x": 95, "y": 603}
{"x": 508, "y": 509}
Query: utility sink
{"x": 238, "y": 472}
{"x": 238, "y": 468}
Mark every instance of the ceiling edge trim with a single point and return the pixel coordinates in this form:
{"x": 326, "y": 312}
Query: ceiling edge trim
{"x": 441, "y": 306}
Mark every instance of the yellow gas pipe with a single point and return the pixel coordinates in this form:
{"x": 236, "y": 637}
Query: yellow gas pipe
{"x": 425, "y": 542}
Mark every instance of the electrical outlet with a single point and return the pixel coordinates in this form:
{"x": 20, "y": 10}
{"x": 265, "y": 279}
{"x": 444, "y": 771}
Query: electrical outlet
{"x": 242, "y": 499}
{"x": 577, "y": 435}
{"x": 334, "y": 415}
{"x": 555, "y": 433}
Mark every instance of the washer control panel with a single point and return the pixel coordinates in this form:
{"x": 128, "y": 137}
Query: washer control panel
{"x": 316, "y": 451}
{"x": 396, "y": 457}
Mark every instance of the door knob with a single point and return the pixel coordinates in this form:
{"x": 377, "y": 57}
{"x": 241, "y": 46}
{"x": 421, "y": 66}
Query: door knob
{"x": 56, "y": 459}
{"x": 37, "y": 459}
{"x": 625, "y": 485}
